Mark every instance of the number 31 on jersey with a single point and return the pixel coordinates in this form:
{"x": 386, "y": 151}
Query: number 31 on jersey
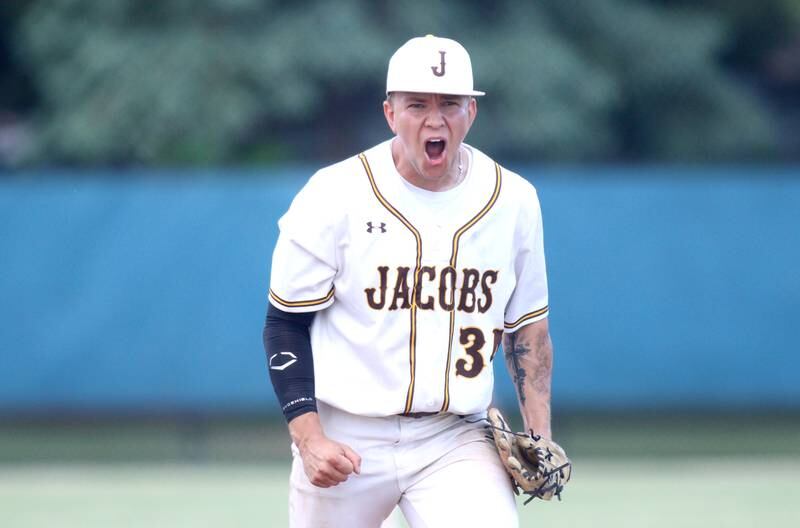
{"x": 473, "y": 340}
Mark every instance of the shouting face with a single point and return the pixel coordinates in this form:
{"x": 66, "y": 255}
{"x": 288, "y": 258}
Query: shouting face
{"x": 430, "y": 129}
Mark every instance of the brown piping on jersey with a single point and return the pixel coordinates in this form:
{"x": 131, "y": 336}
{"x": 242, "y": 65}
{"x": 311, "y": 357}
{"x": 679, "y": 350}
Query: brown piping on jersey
{"x": 531, "y": 315}
{"x": 299, "y": 304}
{"x": 412, "y": 341}
{"x": 453, "y": 261}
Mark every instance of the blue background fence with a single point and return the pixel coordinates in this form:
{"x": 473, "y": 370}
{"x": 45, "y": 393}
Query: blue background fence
{"x": 670, "y": 287}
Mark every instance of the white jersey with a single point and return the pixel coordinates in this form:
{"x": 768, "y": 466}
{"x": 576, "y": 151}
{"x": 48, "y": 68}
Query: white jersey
{"x": 414, "y": 288}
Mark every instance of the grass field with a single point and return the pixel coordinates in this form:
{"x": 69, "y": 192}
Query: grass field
{"x": 605, "y": 493}
{"x": 165, "y": 475}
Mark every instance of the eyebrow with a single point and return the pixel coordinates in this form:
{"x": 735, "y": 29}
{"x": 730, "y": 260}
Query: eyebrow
{"x": 446, "y": 97}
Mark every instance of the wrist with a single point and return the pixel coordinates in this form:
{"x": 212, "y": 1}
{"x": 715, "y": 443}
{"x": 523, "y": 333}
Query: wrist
{"x": 539, "y": 423}
{"x": 305, "y": 427}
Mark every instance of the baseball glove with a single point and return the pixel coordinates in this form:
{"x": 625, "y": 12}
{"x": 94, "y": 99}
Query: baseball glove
{"x": 538, "y": 466}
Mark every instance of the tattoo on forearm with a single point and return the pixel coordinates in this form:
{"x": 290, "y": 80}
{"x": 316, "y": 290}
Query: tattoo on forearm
{"x": 515, "y": 350}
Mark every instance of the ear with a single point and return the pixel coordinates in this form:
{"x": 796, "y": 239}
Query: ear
{"x": 388, "y": 113}
{"x": 472, "y": 110}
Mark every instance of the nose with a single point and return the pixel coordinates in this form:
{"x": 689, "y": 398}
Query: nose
{"x": 434, "y": 119}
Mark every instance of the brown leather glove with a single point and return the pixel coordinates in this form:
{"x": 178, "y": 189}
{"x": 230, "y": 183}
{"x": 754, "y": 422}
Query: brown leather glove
{"x": 537, "y": 466}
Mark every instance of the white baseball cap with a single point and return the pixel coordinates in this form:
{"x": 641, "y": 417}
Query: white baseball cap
{"x": 431, "y": 65}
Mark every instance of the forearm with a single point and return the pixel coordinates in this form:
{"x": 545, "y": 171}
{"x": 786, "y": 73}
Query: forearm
{"x": 305, "y": 427}
{"x": 290, "y": 361}
{"x": 529, "y": 357}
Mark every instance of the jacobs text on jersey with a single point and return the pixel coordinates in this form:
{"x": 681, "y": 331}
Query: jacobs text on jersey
{"x": 466, "y": 290}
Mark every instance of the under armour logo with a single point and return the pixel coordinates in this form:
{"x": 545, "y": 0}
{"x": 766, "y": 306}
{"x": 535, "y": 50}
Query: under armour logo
{"x": 439, "y": 70}
{"x": 381, "y": 226}
{"x": 287, "y": 359}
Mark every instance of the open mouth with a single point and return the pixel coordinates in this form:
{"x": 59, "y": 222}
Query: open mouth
{"x": 434, "y": 149}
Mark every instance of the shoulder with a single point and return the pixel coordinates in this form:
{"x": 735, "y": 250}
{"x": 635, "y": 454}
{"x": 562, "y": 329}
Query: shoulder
{"x": 331, "y": 193}
{"x": 335, "y": 179}
{"x": 521, "y": 192}
{"x": 339, "y": 176}
{"x": 515, "y": 191}
{"x": 334, "y": 184}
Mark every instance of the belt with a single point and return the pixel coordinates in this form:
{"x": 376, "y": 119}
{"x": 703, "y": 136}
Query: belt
{"x": 424, "y": 414}
{"x": 421, "y": 414}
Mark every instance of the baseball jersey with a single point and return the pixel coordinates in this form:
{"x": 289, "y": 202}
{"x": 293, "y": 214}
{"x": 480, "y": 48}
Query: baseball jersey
{"x": 414, "y": 289}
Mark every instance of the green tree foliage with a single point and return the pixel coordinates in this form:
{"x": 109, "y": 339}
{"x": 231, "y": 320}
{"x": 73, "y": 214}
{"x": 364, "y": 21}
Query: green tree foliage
{"x": 220, "y": 81}
{"x": 175, "y": 81}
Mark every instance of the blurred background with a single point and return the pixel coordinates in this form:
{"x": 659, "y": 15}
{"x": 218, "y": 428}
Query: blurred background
{"x": 148, "y": 149}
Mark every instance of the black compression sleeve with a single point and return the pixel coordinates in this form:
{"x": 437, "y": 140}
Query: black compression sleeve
{"x": 287, "y": 343}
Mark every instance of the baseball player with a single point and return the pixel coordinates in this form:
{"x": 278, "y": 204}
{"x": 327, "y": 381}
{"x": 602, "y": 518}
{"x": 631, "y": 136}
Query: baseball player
{"x": 396, "y": 276}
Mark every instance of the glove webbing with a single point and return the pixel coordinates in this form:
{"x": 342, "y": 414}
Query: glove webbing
{"x": 543, "y": 489}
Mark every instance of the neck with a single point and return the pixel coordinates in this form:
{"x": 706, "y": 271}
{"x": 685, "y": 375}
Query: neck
{"x": 412, "y": 174}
